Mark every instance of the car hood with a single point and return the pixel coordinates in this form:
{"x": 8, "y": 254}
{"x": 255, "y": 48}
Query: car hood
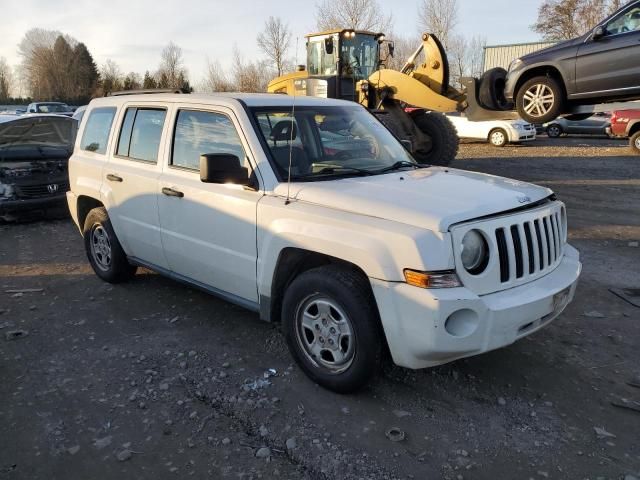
{"x": 53, "y": 130}
{"x": 432, "y": 198}
{"x": 553, "y": 48}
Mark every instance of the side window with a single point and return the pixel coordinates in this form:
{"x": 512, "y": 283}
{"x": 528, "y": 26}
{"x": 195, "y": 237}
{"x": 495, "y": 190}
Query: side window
{"x": 141, "y": 133}
{"x": 96, "y": 131}
{"x": 628, "y": 21}
{"x": 197, "y": 133}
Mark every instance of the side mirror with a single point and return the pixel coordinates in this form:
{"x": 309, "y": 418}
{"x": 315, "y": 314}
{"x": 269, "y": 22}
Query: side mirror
{"x": 598, "y": 33}
{"x": 328, "y": 45}
{"x": 222, "y": 168}
{"x": 390, "y": 49}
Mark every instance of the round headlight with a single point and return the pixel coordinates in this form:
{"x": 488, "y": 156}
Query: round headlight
{"x": 475, "y": 252}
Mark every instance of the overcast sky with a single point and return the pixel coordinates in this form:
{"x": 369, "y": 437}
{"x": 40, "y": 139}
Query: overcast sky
{"x": 133, "y": 32}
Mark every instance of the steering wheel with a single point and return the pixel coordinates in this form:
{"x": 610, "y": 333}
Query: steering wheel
{"x": 343, "y": 155}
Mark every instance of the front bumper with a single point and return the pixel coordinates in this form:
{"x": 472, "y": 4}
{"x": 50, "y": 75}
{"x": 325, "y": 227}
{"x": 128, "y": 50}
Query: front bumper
{"x": 518, "y": 136}
{"x": 12, "y": 207}
{"x": 425, "y": 328}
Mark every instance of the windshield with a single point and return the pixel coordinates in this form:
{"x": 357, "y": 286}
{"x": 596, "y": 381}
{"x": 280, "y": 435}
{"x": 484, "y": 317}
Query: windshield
{"x": 325, "y": 142}
{"x": 53, "y": 108}
{"x": 36, "y": 138}
{"x": 359, "y": 56}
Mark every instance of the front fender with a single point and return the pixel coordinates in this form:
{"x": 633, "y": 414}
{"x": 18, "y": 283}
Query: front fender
{"x": 382, "y": 249}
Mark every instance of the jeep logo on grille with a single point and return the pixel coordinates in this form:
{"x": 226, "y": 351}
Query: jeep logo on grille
{"x": 53, "y": 188}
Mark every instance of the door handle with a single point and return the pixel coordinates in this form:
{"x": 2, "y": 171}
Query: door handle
{"x": 172, "y": 193}
{"x": 114, "y": 178}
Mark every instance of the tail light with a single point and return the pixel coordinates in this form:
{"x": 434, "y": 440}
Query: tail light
{"x": 614, "y": 117}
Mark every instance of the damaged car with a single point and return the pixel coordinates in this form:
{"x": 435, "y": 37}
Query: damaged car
{"x": 34, "y": 156}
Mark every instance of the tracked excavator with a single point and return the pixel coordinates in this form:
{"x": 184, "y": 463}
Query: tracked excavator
{"x": 351, "y": 65}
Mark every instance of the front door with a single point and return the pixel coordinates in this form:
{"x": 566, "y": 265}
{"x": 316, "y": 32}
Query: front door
{"x": 609, "y": 66}
{"x": 208, "y": 230}
{"x": 131, "y": 182}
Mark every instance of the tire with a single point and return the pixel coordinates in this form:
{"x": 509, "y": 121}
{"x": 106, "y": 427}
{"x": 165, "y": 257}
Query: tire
{"x": 548, "y": 91}
{"x": 498, "y": 137}
{"x": 444, "y": 139}
{"x": 336, "y": 300}
{"x": 634, "y": 143}
{"x": 103, "y": 249}
{"x": 491, "y": 90}
{"x": 554, "y": 130}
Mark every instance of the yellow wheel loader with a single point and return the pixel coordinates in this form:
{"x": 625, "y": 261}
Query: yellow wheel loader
{"x": 349, "y": 65}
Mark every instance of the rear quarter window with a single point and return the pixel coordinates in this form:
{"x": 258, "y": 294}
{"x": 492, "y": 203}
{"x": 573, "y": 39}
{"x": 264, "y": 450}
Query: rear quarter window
{"x": 96, "y": 131}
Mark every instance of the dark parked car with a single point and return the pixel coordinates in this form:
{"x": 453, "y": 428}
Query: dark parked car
{"x": 34, "y": 155}
{"x": 58, "y": 108}
{"x": 600, "y": 66}
{"x": 597, "y": 124}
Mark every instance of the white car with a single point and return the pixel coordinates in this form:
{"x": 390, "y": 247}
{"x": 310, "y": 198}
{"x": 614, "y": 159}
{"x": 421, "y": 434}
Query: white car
{"x": 310, "y": 213}
{"x": 497, "y": 132}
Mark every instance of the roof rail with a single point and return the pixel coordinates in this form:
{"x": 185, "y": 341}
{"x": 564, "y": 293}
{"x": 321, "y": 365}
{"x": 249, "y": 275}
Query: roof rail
{"x": 143, "y": 92}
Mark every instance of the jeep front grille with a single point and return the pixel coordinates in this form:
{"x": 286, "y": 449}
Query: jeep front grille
{"x": 530, "y": 247}
{"x": 523, "y": 246}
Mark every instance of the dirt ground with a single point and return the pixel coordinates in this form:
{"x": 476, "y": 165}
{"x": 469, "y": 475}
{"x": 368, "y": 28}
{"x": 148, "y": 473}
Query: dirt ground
{"x": 153, "y": 380}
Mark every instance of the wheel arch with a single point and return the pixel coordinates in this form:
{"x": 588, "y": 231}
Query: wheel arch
{"x": 85, "y": 204}
{"x": 633, "y": 127}
{"x": 538, "y": 71}
{"x": 293, "y": 261}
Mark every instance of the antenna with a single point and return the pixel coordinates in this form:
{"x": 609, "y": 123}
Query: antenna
{"x": 293, "y": 119}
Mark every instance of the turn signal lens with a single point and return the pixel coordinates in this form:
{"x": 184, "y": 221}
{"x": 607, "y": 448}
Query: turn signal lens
{"x": 419, "y": 279}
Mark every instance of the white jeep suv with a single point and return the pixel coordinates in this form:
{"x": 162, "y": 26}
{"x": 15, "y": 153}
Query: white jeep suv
{"x": 309, "y": 212}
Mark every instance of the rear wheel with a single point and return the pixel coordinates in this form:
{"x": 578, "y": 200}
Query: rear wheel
{"x": 540, "y": 100}
{"x": 105, "y": 254}
{"x": 444, "y": 139}
{"x": 554, "y": 130}
{"x": 634, "y": 142}
{"x": 498, "y": 137}
{"x": 332, "y": 328}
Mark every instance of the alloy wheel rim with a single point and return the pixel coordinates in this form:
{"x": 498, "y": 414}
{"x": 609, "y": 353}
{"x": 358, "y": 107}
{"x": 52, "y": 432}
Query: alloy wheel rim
{"x": 554, "y": 131}
{"x": 101, "y": 247}
{"x": 325, "y": 334}
{"x": 637, "y": 143}
{"x": 538, "y": 100}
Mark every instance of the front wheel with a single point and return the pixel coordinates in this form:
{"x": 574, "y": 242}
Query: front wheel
{"x": 554, "y": 130}
{"x": 540, "y": 100}
{"x": 444, "y": 139}
{"x": 498, "y": 137}
{"x": 332, "y": 327}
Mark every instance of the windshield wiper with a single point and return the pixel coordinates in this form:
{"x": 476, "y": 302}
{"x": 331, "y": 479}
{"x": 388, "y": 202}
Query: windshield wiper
{"x": 398, "y": 166}
{"x": 333, "y": 171}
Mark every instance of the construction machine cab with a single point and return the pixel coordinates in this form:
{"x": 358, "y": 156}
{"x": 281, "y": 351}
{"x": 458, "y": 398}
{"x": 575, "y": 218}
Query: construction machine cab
{"x": 339, "y": 59}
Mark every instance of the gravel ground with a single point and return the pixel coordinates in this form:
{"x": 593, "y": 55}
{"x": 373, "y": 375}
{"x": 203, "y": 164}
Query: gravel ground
{"x": 155, "y": 380}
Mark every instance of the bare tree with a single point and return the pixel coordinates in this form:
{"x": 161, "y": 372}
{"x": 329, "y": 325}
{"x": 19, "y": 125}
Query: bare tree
{"x": 6, "y": 80}
{"x": 355, "y": 14}
{"x": 216, "y": 80}
{"x": 249, "y": 77}
{"x": 403, "y": 48}
{"x": 274, "y": 41}
{"x": 566, "y": 19}
{"x": 171, "y": 72}
{"x": 439, "y": 17}
{"x": 132, "y": 81}
{"x": 111, "y": 77}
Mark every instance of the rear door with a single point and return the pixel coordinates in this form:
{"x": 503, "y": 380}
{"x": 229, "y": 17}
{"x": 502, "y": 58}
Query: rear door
{"x": 131, "y": 181}
{"x": 609, "y": 65}
{"x": 209, "y": 230}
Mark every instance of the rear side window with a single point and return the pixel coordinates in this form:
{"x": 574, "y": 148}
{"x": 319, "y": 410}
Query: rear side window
{"x": 141, "y": 133}
{"x": 97, "y": 129}
{"x": 198, "y": 133}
